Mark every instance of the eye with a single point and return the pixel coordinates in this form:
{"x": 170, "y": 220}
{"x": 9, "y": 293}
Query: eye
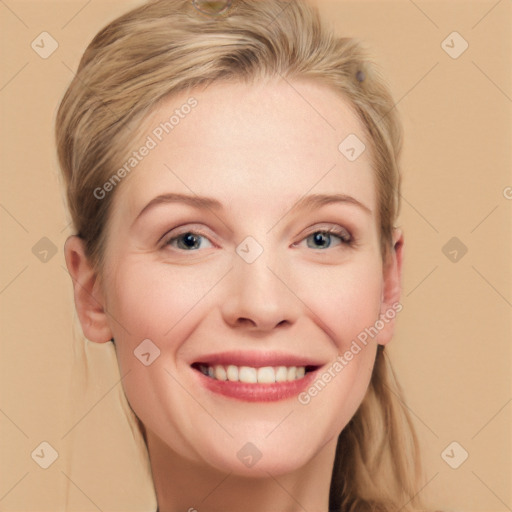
{"x": 189, "y": 241}
{"x": 328, "y": 238}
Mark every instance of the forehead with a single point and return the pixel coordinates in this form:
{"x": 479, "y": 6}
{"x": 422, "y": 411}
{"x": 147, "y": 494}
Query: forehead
{"x": 265, "y": 143}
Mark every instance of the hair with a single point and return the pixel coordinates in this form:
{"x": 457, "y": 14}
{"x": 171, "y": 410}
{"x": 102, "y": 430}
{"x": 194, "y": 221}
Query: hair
{"x": 168, "y": 46}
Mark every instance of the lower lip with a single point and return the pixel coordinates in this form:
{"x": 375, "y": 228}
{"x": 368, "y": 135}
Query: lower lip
{"x": 257, "y": 392}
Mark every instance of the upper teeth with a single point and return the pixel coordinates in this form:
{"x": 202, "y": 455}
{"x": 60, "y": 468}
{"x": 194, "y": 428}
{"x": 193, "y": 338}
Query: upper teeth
{"x": 263, "y": 375}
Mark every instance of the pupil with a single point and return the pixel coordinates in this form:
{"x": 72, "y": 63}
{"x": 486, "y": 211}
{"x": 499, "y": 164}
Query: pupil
{"x": 320, "y": 238}
{"x": 190, "y": 240}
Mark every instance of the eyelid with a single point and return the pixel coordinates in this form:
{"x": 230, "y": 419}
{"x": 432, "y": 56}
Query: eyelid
{"x": 335, "y": 229}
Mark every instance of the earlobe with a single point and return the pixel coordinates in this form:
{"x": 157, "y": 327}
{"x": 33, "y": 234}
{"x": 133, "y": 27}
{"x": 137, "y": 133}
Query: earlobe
{"x": 392, "y": 288}
{"x": 89, "y": 301}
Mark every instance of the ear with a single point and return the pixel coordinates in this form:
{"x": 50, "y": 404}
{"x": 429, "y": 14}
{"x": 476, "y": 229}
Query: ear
{"x": 391, "y": 289}
{"x": 89, "y": 301}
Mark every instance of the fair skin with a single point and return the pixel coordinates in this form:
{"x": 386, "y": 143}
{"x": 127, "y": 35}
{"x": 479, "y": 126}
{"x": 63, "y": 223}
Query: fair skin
{"x": 256, "y": 149}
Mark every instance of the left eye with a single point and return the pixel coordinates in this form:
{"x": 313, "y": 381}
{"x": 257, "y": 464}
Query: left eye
{"x": 189, "y": 241}
{"x": 324, "y": 239}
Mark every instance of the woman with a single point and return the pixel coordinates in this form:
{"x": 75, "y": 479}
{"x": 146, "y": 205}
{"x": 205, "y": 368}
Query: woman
{"x": 232, "y": 174}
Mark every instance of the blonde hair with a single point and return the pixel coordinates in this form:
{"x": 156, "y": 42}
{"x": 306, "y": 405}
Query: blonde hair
{"x": 168, "y": 46}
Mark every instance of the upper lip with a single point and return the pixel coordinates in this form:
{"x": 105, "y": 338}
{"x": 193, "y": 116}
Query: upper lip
{"x": 256, "y": 359}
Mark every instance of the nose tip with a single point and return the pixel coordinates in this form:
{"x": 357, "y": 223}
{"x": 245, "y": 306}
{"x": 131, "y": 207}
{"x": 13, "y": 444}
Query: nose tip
{"x": 257, "y": 299}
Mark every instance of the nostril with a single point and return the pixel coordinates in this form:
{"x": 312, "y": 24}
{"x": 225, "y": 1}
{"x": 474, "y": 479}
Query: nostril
{"x": 246, "y": 322}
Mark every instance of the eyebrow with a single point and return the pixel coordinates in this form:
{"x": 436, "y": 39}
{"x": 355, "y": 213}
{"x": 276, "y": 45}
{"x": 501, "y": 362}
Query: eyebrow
{"x": 202, "y": 203}
{"x": 209, "y": 203}
{"x": 318, "y": 200}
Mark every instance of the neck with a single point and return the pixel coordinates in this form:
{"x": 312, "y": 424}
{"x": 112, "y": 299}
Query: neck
{"x": 183, "y": 485}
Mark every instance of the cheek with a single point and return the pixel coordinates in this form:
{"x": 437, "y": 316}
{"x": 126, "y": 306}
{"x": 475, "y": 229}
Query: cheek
{"x": 150, "y": 300}
{"x": 345, "y": 298}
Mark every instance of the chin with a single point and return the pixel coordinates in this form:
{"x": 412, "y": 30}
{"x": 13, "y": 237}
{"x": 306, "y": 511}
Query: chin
{"x": 258, "y": 458}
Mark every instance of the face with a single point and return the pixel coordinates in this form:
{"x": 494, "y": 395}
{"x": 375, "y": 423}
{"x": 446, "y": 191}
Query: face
{"x": 244, "y": 246}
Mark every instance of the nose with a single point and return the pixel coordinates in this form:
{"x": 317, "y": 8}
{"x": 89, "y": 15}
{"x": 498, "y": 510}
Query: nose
{"x": 259, "y": 298}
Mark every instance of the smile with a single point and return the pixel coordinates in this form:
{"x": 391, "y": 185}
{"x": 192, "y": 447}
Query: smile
{"x": 255, "y": 376}
{"x": 252, "y": 375}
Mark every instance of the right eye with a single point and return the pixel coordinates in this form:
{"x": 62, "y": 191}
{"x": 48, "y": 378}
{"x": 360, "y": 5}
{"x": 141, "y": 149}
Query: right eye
{"x": 188, "y": 241}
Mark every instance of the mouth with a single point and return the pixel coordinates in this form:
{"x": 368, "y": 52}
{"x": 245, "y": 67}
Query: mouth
{"x": 255, "y": 377}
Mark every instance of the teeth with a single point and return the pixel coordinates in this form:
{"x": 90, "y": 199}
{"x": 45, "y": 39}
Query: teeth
{"x": 220, "y": 373}
{"x": 248, "y": 374}
{"x": 232, "y": 372}
{"x": 266, "y": 375}
{"x": 282, "y": 374}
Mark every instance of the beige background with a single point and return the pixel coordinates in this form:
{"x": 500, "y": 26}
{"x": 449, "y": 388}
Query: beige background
{"x": 452, "y": 348}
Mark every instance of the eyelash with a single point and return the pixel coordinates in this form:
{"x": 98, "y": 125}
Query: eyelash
{"x": 344, "y": 236}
